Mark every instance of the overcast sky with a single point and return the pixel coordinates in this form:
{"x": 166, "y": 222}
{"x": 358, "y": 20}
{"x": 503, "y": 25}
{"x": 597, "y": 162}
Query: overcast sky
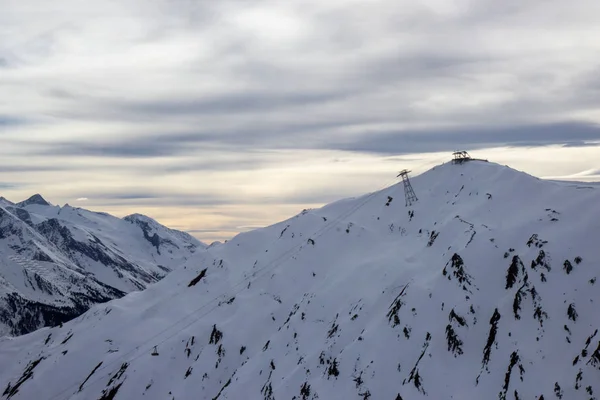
{"x": 218, "y": 116}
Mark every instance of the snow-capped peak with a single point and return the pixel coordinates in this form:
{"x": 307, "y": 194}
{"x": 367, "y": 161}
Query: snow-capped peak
{"x": 139, "y": 217}
{"x": 36, "y": 199}
{"x": 155, "y": 232}
{"x": 5, "y": 202}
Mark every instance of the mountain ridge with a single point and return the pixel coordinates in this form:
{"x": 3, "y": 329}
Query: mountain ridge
{"x": 484, "y": 288}
{"x": 57, "y": 261}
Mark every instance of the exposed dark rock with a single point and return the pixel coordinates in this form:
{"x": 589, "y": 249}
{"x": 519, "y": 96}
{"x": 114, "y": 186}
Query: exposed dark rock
{"x": 305, "y": 391}
{"x": 572, "y": 313}
{"x": 568, "y": 267}
{"x": 11, "y": 390}
{"x": 454, "y": 343}
{"x": 512, "y": 273}
{"x": 514, "y": 359}
{"x": 432, "y": 238}
{"x": 459, "y": 272}
{"x": 90, "y": 375}
{"x": 487, "y": 351}
{"x": 197, "y": 279}
{"x": 215, "y": 335}
{"x": 393, "y": 316}
{"x": 333, "y": 369}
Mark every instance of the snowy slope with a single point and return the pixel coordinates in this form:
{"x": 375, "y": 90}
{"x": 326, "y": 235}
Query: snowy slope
{"x": 486, "y": 288}
{"x": 57, "y": 261}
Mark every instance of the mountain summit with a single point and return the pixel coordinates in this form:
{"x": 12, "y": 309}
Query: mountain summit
{"x": 36, "y": 199}
{"x": 484, "y": 288}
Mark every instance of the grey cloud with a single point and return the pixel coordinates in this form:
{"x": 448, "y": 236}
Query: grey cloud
{"x": 230, "y": 103}
{"x": 32, "y": 168}
{"x": 131, "y": 148}
{"x": 7, "y": 185}
{"x": 372, "y": 141}
{"x": 261, "y": 135}
{"x": 238, "y": 164}
{"x": 60, "y": 93}
{"x": 244, "y": 119}
{"x": 418, "y": 67}
{"x": 185, "y": 199}
{"x": 133, "y": 196}
{"x": 8, "y": 121}
{"x": 581, "y": 144}
{"x": 406, "y": 142}
{"x": 158, "y": 198}
{"x": 283, "y": 93}
{"x": 252, "y": 109}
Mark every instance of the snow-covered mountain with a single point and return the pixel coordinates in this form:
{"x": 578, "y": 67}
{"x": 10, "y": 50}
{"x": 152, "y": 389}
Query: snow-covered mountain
{"x": 55, "y": 262}
{"x": 486, "y": 288}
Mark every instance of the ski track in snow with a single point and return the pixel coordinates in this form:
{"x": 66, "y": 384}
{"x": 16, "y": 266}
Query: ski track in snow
{"x": 483, "y": 289}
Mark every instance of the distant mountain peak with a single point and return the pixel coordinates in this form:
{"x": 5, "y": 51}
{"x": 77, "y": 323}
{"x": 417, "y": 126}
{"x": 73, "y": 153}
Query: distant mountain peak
{"x": 138, "y": 217}
{"x": 5, "y": 201}
{"x": 150, "y": 227}
{"x": 36, "y": 199}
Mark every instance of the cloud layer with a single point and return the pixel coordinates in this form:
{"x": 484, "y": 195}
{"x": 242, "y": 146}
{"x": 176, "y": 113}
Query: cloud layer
{"x": 204, "y": 112}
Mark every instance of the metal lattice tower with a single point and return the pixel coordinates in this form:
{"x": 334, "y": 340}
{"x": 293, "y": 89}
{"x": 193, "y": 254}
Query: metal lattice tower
{"x": 409, "y": 193}
{"x": 461, "y": 157}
